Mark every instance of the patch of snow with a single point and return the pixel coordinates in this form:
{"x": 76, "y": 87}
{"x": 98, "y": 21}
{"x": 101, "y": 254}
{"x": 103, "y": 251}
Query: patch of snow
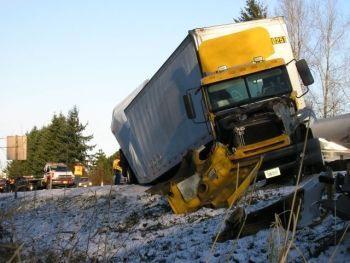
{"x": 123, "y": 223}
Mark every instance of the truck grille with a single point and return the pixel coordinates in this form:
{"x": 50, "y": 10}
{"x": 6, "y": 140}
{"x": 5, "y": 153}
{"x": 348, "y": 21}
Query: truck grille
{"x": 64, "y": 176}
{"x": 257, "y": 131}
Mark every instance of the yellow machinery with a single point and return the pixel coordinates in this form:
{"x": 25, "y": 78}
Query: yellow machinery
{"x": 217, "y": 182}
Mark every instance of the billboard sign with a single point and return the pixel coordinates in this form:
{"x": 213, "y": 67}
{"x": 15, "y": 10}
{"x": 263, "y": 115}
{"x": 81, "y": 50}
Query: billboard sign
{"x": 16, "y": 147}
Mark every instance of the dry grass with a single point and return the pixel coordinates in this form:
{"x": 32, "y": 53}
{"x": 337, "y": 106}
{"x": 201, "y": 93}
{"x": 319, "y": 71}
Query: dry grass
{"x": 65, "y": 245}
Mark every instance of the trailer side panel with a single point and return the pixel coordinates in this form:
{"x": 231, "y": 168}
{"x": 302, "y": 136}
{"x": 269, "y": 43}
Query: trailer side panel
{"x": 160, "y": 131}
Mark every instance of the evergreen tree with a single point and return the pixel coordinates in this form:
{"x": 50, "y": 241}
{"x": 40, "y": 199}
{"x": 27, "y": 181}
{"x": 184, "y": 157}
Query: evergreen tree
{"x": 253, "y": 10}
{"x": 55, "y": 139}
{"x": 16, "y": 168}
{"x": 35, "y": 165}
{"x": 77, "y": 143}
{"x": 42, "y": 152}
{"x": 102, "y": 169}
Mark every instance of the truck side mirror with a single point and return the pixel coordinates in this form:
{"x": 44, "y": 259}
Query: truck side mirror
{"x": 191, "y": 113}
{"x": 304, "y": 72}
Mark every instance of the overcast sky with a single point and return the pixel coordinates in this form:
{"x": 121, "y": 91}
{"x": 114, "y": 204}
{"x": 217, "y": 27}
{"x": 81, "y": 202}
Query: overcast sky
{"x": 57, "y": 54}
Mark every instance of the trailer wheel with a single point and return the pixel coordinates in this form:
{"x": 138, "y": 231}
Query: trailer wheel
{"x": 130, "y": 177}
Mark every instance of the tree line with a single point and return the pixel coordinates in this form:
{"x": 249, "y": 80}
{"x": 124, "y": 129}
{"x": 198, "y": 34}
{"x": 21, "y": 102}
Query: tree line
{"x": 62, "y": 140}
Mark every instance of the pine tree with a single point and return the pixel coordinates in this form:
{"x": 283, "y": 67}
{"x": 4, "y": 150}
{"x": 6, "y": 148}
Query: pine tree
{"x": 253, "y": 10}
{"x": 55, "y": 139}
{"x": 34, "y": 164}
{"x": 16, "y": 168}
{"x": 77, "y": 143}
{"x": 102, "y": 169}
{"x": 42, "y": 153}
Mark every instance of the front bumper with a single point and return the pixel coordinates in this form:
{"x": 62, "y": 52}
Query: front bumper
{"x": 62, "y": 182}
{"x": 288, "y": 158}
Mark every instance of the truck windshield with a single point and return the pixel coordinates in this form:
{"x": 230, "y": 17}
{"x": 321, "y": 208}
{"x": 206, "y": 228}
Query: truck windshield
{"x": 249, "y": 88}
{"x": 60, "y": 168}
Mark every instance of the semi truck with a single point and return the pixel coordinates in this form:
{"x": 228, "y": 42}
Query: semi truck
{"x": 230, "y": 96}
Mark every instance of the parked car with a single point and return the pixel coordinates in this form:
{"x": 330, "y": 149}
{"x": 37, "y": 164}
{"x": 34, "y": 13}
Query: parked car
{"x": 23, "y": 184}
{"x": 82, "y": 182}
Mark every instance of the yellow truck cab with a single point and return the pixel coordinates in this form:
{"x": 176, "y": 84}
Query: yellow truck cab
{"x": 252, "y": 94}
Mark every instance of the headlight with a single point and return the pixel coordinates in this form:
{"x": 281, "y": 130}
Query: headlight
{"x": 90, "y": 183}
{"x": 80, "y": 184}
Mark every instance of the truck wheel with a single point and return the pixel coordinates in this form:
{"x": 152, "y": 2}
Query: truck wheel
{"x": 130, "y": 177}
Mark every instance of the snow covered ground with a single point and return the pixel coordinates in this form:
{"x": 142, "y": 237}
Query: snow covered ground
{"x": 125, "y": 224}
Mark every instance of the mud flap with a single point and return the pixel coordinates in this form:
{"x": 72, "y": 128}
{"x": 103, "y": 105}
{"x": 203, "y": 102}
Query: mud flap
{"x": 217, "y": 182}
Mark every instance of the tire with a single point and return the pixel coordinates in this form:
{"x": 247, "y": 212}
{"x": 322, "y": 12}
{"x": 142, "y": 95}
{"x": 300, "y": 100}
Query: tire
{"x": 130, "y": 176}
